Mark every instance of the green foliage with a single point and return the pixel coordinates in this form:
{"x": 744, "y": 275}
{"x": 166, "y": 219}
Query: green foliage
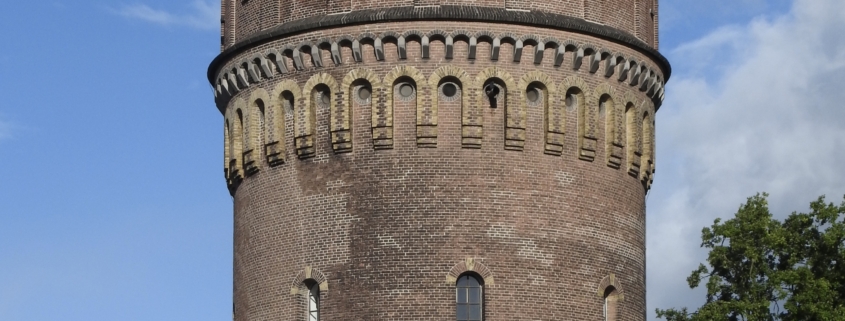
{"x": 763, "y": 269}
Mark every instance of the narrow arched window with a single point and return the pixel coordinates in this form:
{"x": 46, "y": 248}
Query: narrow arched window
{"x": 262, "y": 133}
{"x": 244, "y": 132}
{"x": 313, "y": 301}
{"x": 227, "y": 146}
{"x": 611, "y": 297}
{"x": 647, "y": 149}
{"x": 469, "y": 298}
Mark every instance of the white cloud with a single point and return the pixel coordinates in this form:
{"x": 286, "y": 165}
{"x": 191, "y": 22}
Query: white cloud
{"x": 685, "y": 14}
{"x": 203, "y": 15}
{"x": 750, "y": 108}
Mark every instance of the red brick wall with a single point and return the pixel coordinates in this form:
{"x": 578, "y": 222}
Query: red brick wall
{"x": 256, "y": 15}
{"x": 645, "y": 28}
{"x": 270, "y": 11}
{"x": 285, "y": 10}
{"x": 247, "y": 18}
{"x": 619, "y": 14}
{"x": 337, "y": 6}
{"x": 227, "y": 25}
{"x": 385, "y": 227}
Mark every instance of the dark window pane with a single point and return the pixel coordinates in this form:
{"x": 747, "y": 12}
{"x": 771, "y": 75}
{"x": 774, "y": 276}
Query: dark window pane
{"x": 314, "y": 303}
{"x": 474, "y": 295}
{"x": 462, "y": 295}
{"x": 475, "y": 312}
{"x": 462, "y": 281}
{"x": 468, "y": 297}
{"x": 462, "y": 312}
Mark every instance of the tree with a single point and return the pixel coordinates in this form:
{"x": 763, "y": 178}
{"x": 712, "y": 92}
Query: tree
{"x": 764, "y": 269}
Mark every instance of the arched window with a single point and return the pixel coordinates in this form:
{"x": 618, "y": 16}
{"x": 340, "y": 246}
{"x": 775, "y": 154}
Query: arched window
{"x": 322, "y": 97}
{"x": 449, "y": 89}
{"x": 647, "y": 158}
{"x": 244, "y": 131}
{"x": 263, "y": 134}
{"x": 469, "y": 298}
{"x": 313, "y": 300}
{"x": 227, "y": 145}
{"x": 606, "y": 111}
{"x": 259, "y": 135}
{"x": 535, "y": 94}
{"x": 494, "y": 92}
{"x": 631, "y": 144}
{"x": 611, "y": 297}
{"x": 575, "y": 101}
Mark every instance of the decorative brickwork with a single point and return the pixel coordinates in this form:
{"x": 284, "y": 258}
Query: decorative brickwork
{"x": 383, "y": 114}
{"x": 609, "y": 112}
{"x": 595, "y": 108}
{"x": 260, "y": 130}
{"x": 387, "y": 148}
{"x": 609, "y": 281}
{"x": 427, "y": 114}
{"x": 610, "y": 291}
{"x": 470, "y": 265}
{"x": 548, "y": 99}
{"x": 472, "y": 117}
{"x": 633, "y": 133}
{"x": 345, "y": 125}
{"x": 308, "y": 273}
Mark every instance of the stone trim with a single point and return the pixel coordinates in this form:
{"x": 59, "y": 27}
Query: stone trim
{"x": 612, "y": 123}
{"x": 346, "y": 90}
{"x": 469, "y": 265}
{"x": 610, "y": 280}
{"x": 308, "y": 273}
{"x": 383, "y": 112}
{"x": 586, "y": 117}
{"x": 239, "y": 76}
{"x": 628, "y": 130}
{"x": 472, "y": 117}
{"x": 633, "y": 143}
{"x": 238, "y": 144}
{"x": 340, "y": 122}
{"x": 517, "y": 122}
{"x": 647, "y": 166}
{"x": 275, "y": 150}
{"x": 226, "y": 157}
{"x": 258, "y": 132}
{"x": 427, "y": 117}
{"x": 443, "y": 12}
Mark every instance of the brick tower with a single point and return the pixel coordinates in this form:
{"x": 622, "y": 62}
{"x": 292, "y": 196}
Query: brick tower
{"x": 439, "y": 160}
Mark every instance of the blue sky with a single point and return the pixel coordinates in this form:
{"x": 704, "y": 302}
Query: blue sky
{"x": 115, "y": 207}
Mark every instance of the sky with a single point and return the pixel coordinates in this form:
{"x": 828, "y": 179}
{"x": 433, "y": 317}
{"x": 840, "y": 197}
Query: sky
{"x": 115, "y": 206}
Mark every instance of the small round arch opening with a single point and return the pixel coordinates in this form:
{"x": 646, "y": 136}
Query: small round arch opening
{"x": 573, "y": 98}
{"x": 405, "y": 88}
{"x": 535, "y": 93}
{"x": 322, "y": 95}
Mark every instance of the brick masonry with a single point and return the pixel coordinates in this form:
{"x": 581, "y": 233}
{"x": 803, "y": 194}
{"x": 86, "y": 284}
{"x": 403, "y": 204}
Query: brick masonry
{"x": 384, "y": 201}
{"x": 241, "y": 18}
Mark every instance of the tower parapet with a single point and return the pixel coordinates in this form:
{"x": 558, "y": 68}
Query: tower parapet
{"x": 241, "y": 20}
{"x": 375, "y": 152}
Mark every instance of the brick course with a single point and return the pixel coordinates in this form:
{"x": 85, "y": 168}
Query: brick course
{"x": 632, "y": 16}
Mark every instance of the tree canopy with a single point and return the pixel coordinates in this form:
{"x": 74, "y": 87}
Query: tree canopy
{"x": 760, "y": 268}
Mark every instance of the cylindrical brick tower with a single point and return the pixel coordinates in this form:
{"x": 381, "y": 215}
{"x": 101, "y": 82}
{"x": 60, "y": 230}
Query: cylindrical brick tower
{"x": 439, "y": 160}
